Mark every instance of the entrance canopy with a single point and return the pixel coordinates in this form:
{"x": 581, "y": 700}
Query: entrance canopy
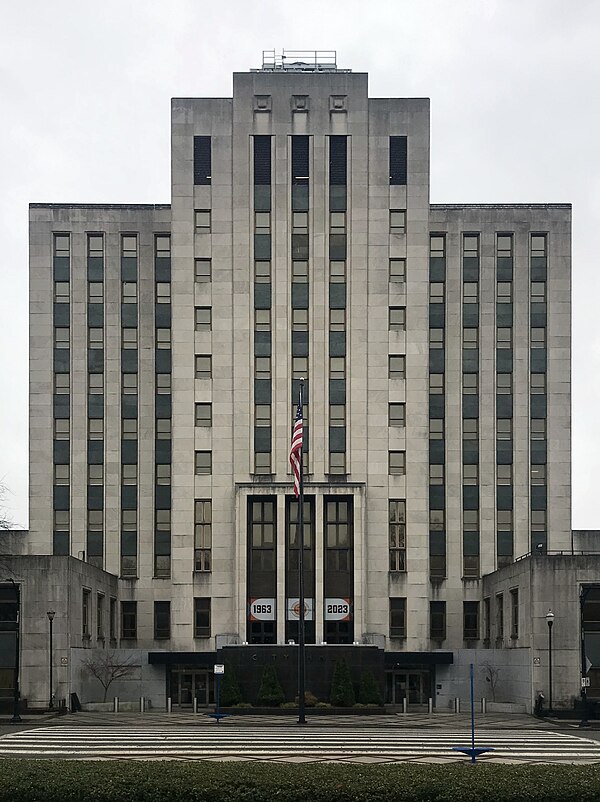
{"x": 401, "y": 659}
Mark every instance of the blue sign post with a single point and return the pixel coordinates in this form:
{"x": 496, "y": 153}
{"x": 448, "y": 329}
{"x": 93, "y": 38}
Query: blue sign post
{"x": 217, "y": 715}
{"x": 472, "y": 751}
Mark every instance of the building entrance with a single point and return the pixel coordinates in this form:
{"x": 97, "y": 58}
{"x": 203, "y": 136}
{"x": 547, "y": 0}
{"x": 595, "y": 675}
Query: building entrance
{"x": 414, "y": 686}
{"x": 189, "y": 683}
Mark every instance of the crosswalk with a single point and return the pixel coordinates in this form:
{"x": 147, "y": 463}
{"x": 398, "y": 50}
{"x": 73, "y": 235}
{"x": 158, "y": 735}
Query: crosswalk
{"x": 287, "y": 744}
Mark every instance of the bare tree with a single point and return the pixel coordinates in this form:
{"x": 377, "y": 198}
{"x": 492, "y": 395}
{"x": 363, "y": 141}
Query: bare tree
{"x": 108, "y": 667}
{"x": 492, "y": 675}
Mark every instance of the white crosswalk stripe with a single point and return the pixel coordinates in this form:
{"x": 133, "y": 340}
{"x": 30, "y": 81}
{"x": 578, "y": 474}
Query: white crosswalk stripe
{"x": 366, "y": 744}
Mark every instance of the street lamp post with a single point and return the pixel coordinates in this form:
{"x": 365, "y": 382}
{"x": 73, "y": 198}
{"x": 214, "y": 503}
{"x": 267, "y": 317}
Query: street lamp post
{"x": 550, "y": 621}
{"x": 584, "y": 668}
{"x": 51, "y": 615}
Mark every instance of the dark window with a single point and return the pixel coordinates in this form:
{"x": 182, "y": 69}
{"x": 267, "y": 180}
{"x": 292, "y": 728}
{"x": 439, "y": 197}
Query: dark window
{"x": 338, "y": 161}
{"x": 202, "y": 534}
{"x": 470, "y": 620}
{"x": 202, "y": 618}
{"x": 300, "y": 160}
{"x": 85, "y": 613}
{"x": 162, "y": 620}
{"x": 514, "y": 613}
{"x": 262, "y": 160}
{"x": 397, "y": 532}
{"x": 397, "y": 618}
{"x": 437, "y": 620}
{"x": 129, "y": 620}
{"x": 202, "y": 160}
{"x": 398, "y": 160}
{"x": 338, "y": 534}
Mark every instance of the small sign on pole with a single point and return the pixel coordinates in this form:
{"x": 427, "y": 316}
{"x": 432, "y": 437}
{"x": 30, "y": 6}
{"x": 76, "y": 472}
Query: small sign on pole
{"x": 219, "y": 668}
{"x": 585, "y": 682}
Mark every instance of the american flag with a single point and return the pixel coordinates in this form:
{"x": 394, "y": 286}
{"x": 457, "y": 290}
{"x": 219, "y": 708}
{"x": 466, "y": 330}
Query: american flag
{"x": 296, "y": 450}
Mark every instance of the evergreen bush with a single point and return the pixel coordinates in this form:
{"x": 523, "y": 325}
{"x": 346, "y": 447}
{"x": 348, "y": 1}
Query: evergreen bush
{"x": 368, "y": 692}
{"x": 230, "y": 690}
{"x": 342, "y": 690}
{"x": 270, "y": 693}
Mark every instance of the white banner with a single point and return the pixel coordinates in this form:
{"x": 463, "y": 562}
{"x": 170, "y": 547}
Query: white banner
{"x": 338, "y": 610}
{"x": 261, "y": 610}
{"x": 293, "y": 609}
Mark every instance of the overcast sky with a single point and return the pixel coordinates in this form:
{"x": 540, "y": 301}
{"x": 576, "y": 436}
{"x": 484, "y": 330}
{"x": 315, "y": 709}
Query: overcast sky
{"x": 515, "y": 111}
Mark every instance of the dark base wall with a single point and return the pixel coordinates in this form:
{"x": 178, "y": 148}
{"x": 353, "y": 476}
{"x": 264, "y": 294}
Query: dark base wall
{"x": 249, "y": 663}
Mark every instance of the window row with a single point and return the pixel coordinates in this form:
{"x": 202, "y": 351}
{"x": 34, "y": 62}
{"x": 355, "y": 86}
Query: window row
{"x": 437, "y": 619}
{"x": 129, "y": 246}
{"x": 471, "y": 245}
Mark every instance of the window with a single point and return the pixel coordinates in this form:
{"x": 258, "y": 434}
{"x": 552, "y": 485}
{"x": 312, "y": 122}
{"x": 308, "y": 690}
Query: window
{"x": 538, "y": 245}
{"x": 202, "y": 160}
{"x": 202, "y": 318}
{"x": 96, "y": 428}
{"x": 504, "y": 292}
{"x": 503, "y": 337}
{"x": 337, "y": 415}
{"x": 262, "y": 367}
{"x": 436, "y": 474}
{"x": 504, "y": 474}
{"x": 300, "y": 222}
{"x": 337, "y": 272}
{"x": 470, "y": 338}
{"x": 436, "y": 292}
{"x": 397, "y": 463}
{"x": 398, "y": 221}
{"x": 62, "y": 245}
{"x": 95, "y": 383}
{"x": 129, "y": 383}
{"x": 436, "y": 383}
{"x": 163, "y": 292}
{"x": 262, "y": 222}
{"x": 398, "y": 163}
{"x": 437, "y": 620}
{"x": 163, "y": 383}
{"x": 129, "y": 292}
{"x": 129, "y": 620}
{"x": 95, "y": 245}
{"x": 202, "y": 618}
{"x": 514, "y": 613}
{"x": 95, "y": 474}
{"x": 262, "y": 415}
{"x": 337, "y": 319}
{"x": 61, "y": 337}
{"x": 470, "y": 620}
{"x": 397, "y": 318}
{"x": 62, "y": 429}
{"x": 538, "y": 383}
{"x": 96, "y": 338}
{"x": 61, "y": 292}
{"x": 202, "y": 269}
{"x": 337, "y": 367}
{"x": 299, "y": 319}
{"x": 397, "y": 367}
{"x": 62, "y": 383}
{"x": 61, "y": 474}
{"x": 538, "y": 292}
{"x": 129, "y": 246}
{"x": 487, "y": 619}
{"x": 538, "y": 474}
{"x": 337, "y": 222}
{"x": 538, "y": 429}
{"x": 96, "y": 292}
{"x": 203, "y": 462}
{"x": 202, "y": 534}
{"x": 61, "y": 520}
{"x": 203, "y": 366}
{"x": 397, "y": 534}
{"x": 162, "y": 620}
{"x": 470, "y": 475}
{"x": 504, "y": 429}
{"x": 398, "y": 270}
{"x": 396, "y": 414}
{"x": 538, "y": 337}
{"x": 436, "y": 520}
{"x": 337, "y": 462}
{"x": 86, "y": 603}
{"x": 436, "y": 338}
{"x": 471, "y": 245}
{"x": 338, "y": 534}
{"x": 203, "y": 415}
{"x": 163, "y": 473}
{"x": 162, "y": 246}
{"x": 470, "y": 292}
{"x": 262, "y": 320}
{"x": 538, "y": 520}
{"x": 163, "y": 338}
{"x": 397, "y": 618}
{"x": 437, "y": 246}
{"x": 499, "y": 616}
{"x": 262, "y": 271}
{"x": 129, "y": 474}
{"x": 470, "y": 520}
{"x": 504, "y": 245}
{"x": 112, "y": 619}
{"x": 129, "y": 338}
{"x": 436, "y": 428}
{"x": 262, "y": 462}
{"x": 129, "y": 429}
{"x": 504, "y": 520}
{"x": 95, "y": 520}
{"x": 163, "y": 428}
{"x": 202, "y": 220}
{"x": 504, "y": 383}
{"x": 100, "y": 616}
{"x": 470, "y": 429}
{"x": 470, "y": 383}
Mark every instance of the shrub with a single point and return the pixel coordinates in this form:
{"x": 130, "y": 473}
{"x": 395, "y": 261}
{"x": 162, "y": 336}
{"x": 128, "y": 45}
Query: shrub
{"x": 310, "y": 700}
{"x": 342, "y": 690}
{"x": 244, "y": 705}
{"x": 289, "y": 705}
{"x": 321, "y": 705}
{"x": 230, "y": 690}
{"x": 368, "y": 692}
{"x": 270, "y": 693}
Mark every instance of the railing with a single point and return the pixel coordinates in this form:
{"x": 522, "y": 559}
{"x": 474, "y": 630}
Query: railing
{"x": 300, "y": 61}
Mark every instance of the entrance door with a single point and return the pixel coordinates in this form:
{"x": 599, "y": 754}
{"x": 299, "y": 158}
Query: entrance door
{"x": 414, "y": 686}
{"x": 188, "y": 684}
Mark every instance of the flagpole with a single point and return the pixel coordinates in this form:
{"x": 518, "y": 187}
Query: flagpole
{"x": 301, "y": 654}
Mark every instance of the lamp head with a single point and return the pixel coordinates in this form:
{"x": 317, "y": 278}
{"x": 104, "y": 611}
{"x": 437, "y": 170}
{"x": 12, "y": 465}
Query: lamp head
{"x": 549, "y": 618}
{"x": 50, "y": 615}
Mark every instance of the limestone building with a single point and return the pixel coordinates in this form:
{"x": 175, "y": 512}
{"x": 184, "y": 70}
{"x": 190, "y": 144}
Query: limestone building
{"x": 167, "y": 345}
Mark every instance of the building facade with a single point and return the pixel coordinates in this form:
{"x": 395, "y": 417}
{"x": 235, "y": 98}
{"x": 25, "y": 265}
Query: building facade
{"x": 167, "y": 347}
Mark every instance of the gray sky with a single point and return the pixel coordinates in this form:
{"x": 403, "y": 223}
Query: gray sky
{"x": 515, "y": 104}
